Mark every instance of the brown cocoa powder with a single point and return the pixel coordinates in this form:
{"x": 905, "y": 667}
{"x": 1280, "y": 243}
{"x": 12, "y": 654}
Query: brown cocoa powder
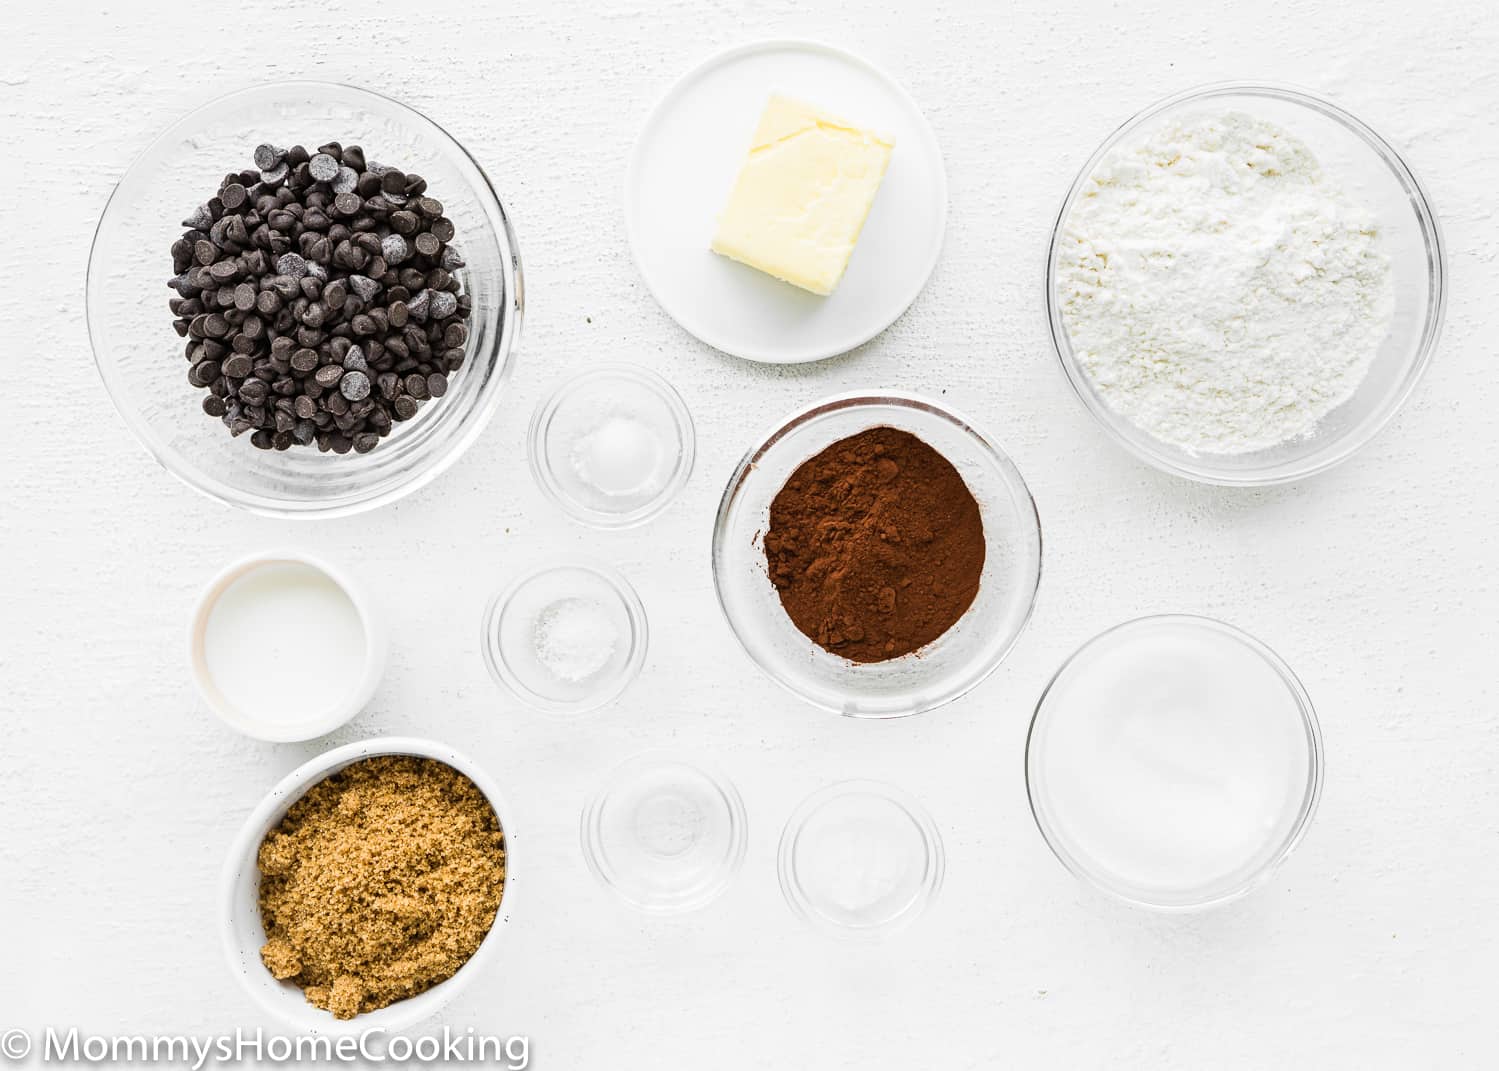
{"x": 875, "y": 546}
{"x": 380, "y": 883}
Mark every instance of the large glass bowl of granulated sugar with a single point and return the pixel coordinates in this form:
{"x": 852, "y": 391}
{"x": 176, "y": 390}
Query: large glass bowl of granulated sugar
{"x": 1174, "y": 762}
{"x": 140, "y": 356}
{"x": 1245, "y": 284}
{"x": 946, "y": 667}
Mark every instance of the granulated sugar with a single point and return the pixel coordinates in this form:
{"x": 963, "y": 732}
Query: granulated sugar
{"x": 1223, "y": 295}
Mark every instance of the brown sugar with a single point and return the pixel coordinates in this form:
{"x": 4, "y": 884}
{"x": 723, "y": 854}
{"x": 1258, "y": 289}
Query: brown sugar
{"x": 380, "y": 883}
{"x": 875, "y": 546}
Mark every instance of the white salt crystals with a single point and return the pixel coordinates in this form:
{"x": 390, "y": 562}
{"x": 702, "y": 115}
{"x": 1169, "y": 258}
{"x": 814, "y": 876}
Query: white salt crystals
{"x": 574, "y": 638}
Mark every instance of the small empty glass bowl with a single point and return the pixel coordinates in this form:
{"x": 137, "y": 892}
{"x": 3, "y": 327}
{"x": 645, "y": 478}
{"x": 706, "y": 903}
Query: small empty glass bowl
{"x": 140, "y": 357}
{"x": 1174, "y": 762}
{"x": 1365, "y": 166}
{"x": 612, "y": 446}
{"x": 665, "y": 834}
{"x": 860, "y": 858}
{"x": 566, "y": 638}
{"x": 937, "y": 673}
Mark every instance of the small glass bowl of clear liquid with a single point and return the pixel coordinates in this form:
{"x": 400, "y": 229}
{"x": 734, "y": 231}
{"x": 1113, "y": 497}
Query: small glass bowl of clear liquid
{"x": 860, "y": 859}
{"x": 1174, "y": 762}
{"x": 664, "y": 833}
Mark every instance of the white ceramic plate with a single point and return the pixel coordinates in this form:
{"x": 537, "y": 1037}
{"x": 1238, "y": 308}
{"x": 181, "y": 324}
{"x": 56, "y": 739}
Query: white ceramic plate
{"x": 683, "y": 167}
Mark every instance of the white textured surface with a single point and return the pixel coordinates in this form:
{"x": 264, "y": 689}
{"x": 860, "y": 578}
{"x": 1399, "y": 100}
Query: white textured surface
{"x": 119, "y": 794}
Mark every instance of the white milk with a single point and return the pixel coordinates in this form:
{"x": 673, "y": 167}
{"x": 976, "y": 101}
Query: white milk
{"x": 284, "y": 643}
{"x": 1172, "y": 760}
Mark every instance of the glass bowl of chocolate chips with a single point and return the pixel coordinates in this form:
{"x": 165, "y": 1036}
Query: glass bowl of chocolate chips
{"x": 303, "y": 299}
{"x": 876, "y": 554}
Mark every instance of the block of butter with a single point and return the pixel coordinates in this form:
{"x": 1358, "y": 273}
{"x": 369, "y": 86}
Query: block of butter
{"x": 802, "y": 195}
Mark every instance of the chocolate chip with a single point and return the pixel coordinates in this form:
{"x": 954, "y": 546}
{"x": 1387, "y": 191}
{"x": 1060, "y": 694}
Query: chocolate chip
{"x": 322, "y": 167}
{"x": 200, "y": 220}
{"x": 364, "y": 286}
{"x": 268, "y": 156}
{"x": 394, "y": 249}
{"x": 405, "y": 407}
{"x": 354, "y": 386}
{"x": 238, "y": 366}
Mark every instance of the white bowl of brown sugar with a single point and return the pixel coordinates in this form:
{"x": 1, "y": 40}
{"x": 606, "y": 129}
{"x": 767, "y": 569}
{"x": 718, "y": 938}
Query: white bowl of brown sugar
{"x": 369, "y": 887}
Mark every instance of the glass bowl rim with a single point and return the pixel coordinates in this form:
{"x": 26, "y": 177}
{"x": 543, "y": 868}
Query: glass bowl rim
{"x": 541, "y": 470}
{"x": 499, "y": 667}
{"x": 591, "y": 839}
{"x": 512, "y": 314}
{"x": 749, "y": 462}
{"x": 1312, "y": 796}
{"x": 931, "y": 884}
{"x": 1431, "y": 329}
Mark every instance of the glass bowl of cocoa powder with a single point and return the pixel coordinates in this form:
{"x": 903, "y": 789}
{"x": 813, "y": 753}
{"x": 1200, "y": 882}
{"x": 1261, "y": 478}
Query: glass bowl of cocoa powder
{"x": 876, "y": 554}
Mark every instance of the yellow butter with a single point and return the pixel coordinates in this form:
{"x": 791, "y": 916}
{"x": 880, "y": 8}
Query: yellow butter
{"x": 802, "y": 195}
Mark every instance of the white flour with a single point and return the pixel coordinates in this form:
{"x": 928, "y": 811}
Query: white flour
{"x": 1221, "y": 294}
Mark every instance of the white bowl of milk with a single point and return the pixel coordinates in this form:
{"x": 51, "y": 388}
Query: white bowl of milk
{"x": 285, "y": 647}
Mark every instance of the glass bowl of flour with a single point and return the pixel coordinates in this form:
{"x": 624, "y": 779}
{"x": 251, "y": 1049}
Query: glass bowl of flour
{"x": 1245, "y": 284}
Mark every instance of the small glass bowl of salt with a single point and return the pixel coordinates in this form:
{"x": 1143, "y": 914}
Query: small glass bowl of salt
{"x": 612, "y": 446}
{"x": 566, "y": 638}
